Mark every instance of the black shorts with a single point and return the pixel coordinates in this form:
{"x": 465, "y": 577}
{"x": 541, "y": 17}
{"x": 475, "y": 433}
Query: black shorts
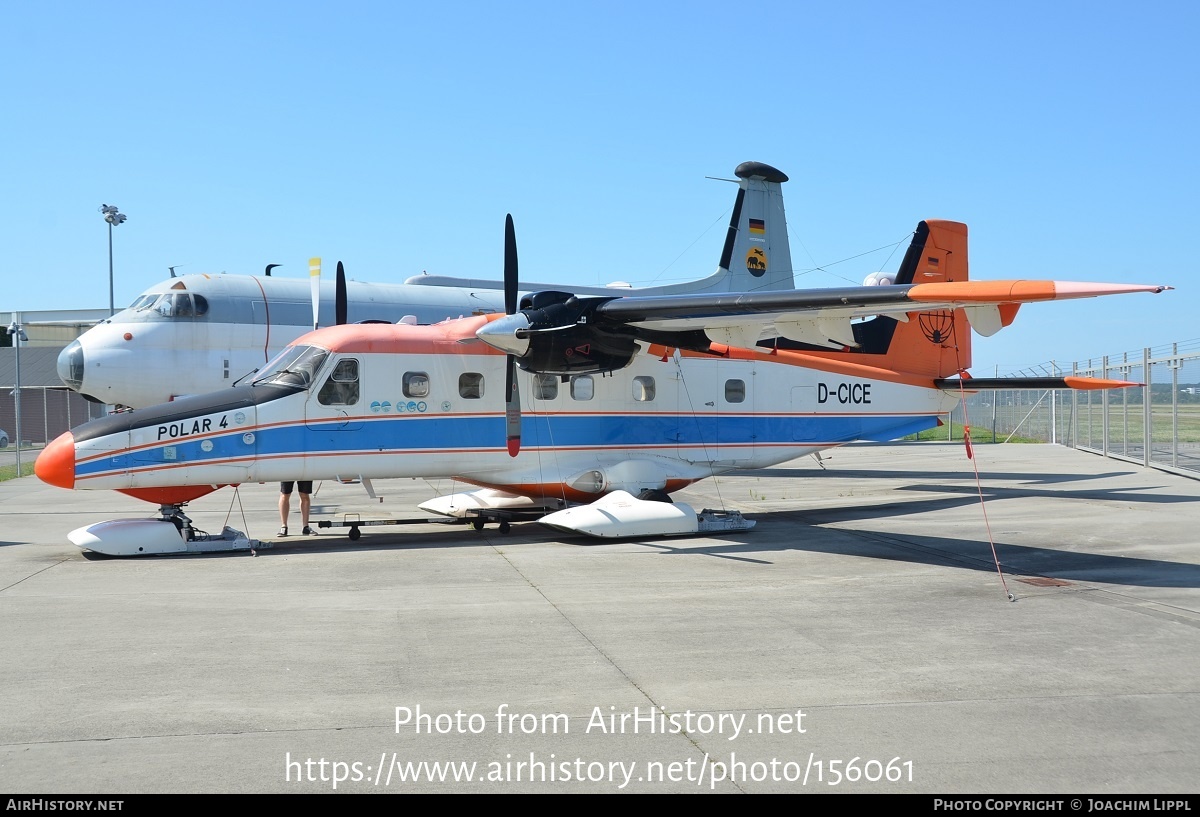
{"x": 286, "y": 487}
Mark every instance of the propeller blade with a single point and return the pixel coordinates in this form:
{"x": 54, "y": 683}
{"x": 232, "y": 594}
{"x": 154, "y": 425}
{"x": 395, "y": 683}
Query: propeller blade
{"x": 314, "y": 278}
{"x": 512, "y": 405}
{"x": 510, "y": 266}
{"x": 340, "y": 297}
{"x": 512, "y": 409}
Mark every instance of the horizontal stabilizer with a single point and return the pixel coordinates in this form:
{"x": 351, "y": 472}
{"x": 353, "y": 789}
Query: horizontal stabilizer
{"x": 999, "y": 383}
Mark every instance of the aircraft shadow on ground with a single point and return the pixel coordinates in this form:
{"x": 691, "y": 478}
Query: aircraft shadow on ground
{"x": 373, "y": 539}
{"x": 814, "y": 530}
{"x": 958, "y": 476}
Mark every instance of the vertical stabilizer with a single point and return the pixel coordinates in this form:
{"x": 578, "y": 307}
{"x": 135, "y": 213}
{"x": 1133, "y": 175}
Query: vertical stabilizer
{"x": 756, "y": 256}
{"x": 935, "y": 343}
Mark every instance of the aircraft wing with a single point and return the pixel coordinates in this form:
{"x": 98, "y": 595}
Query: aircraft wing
{"x": 555, "y": 332}
{"x": 823, "y": 316}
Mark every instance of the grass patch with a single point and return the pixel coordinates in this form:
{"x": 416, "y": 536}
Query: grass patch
{"x": 28, "y": 455}
{"x": 979, "y": 436}
{"x": 10, "y": 471}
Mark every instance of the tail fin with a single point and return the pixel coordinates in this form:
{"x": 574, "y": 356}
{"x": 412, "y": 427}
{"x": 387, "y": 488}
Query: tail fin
{"x": 934, "y": 344}
{"x": 757, "y": 256}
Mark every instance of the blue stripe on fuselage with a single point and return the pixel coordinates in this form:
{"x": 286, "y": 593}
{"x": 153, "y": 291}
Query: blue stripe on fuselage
{"x": 428, "y": 432}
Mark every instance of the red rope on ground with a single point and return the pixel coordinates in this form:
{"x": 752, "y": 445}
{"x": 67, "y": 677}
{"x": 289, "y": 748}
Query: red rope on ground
{"x": 962, "y": 393}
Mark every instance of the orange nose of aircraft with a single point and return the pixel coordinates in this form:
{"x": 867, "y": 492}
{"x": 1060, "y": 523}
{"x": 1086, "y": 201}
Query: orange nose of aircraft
{"x": 56, "y": 464}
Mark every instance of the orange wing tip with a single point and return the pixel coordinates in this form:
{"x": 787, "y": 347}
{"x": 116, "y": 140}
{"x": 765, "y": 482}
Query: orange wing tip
{"x": 1096, "y": 383}
{"x": 56, "y": 464}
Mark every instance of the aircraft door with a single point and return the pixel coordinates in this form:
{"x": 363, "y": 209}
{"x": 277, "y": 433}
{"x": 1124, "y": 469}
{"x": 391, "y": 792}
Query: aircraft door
{"x": 738, "y": 425}
{"x": 803, "y": 408}
{"x": 717, "y": 421}
{"x": 333, "y": 404}
{"x": 693, "y": 430}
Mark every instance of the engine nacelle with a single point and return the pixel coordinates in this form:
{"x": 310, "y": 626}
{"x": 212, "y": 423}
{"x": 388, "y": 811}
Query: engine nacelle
{"x": 578, "y": 350}
{"x": 555, "y": 333}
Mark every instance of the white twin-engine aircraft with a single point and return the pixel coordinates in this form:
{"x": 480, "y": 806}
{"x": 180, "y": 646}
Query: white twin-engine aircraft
{"x": 592, "y": 409}
{"x": 199, "y": 333}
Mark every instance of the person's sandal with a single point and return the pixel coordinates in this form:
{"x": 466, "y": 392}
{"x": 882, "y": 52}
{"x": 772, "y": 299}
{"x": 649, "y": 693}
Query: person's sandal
{"x": 283, "y": 531}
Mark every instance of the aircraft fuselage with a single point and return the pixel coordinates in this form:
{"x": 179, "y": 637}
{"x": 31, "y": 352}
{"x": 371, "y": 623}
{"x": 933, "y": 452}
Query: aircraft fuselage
{"x": 380, "y": 401}
{"x": 198, "y": 333}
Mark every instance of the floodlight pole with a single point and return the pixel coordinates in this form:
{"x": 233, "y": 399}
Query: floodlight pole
{"x": 17, "y": 334}
{"x": 114, "y": 217}
{"x": 112, "y": 310}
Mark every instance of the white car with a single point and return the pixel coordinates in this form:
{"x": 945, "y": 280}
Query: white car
{"x": 3, "y": 438}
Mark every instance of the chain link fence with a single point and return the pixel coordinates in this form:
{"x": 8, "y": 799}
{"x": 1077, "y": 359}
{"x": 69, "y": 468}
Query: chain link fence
{"x": 45, "y": 413}
{"x": 1156, "y": 424}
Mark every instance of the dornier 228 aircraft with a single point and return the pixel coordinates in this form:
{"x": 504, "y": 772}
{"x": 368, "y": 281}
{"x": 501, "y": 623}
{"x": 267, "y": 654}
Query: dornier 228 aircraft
{"x": 199, "y": 333}
{"x": 594, "y": 409}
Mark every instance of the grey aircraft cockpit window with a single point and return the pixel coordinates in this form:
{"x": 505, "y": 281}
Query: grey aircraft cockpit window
{"x": 294, "y": 366}
{"x": 341, "y": 388}
{"x": 180, "y": 305}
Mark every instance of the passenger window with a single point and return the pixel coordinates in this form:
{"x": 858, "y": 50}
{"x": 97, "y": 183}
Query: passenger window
{"x": 643, "y": 389}
{"x": 341, "y": 389}
{"x": 582, "y": 387}
{"x": 735, "y": 391}
{"x": 470, "y": 385}
{"x": 416, "y": 384}
{"x": 545, "y": 386}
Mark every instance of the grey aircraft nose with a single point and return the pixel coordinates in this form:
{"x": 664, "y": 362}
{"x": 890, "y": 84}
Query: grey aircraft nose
{"x": 70, "y": 365}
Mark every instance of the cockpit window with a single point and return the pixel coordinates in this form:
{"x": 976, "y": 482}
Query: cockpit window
{"x": 165, "y": 306}
{"x": 341, "y": 388}
{"x": 173, "y": 304}
{"x": 294, "y": 366}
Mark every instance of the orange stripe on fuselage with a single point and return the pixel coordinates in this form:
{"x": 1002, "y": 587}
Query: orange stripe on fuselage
{"x": 806, "y": 361}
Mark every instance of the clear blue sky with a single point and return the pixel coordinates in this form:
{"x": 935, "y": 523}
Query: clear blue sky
{"x": 395, "y": 137}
